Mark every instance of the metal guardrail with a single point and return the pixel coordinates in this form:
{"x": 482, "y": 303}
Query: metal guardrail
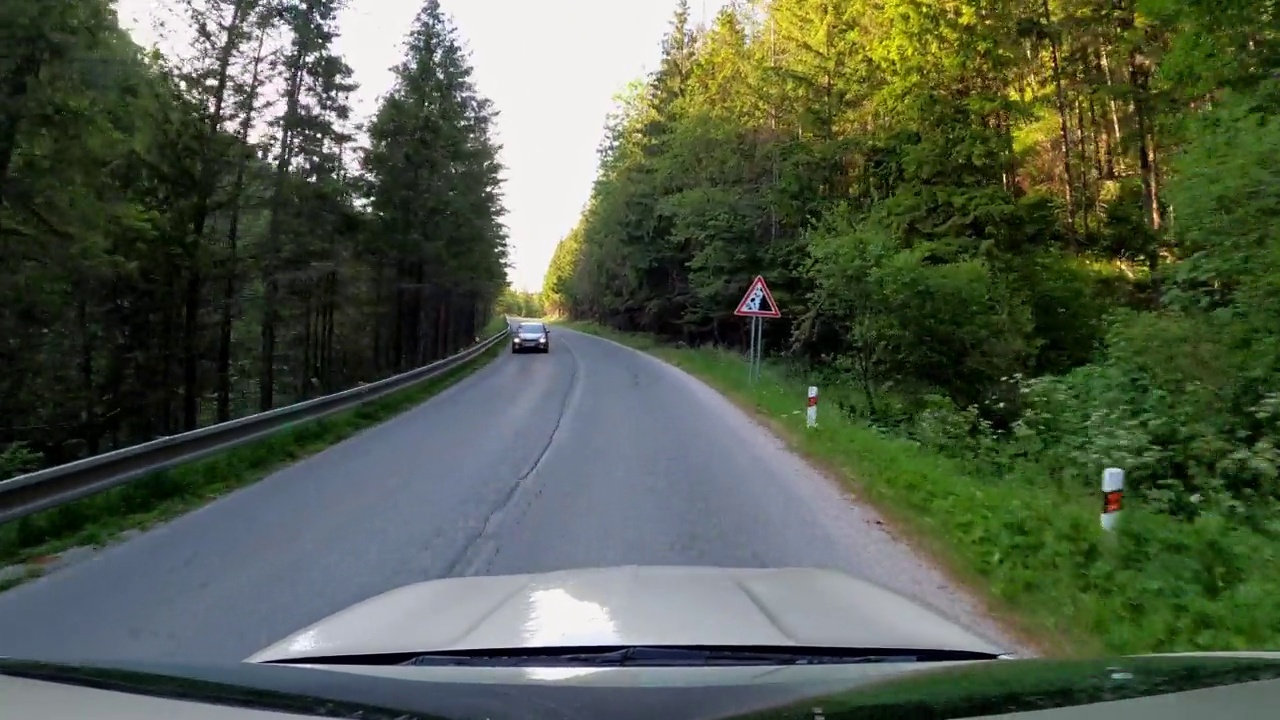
{"x": 26, "y": 494}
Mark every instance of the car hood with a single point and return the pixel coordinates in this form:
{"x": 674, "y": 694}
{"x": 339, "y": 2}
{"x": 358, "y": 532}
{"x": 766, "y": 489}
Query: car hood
{"x": 628, "y": 606}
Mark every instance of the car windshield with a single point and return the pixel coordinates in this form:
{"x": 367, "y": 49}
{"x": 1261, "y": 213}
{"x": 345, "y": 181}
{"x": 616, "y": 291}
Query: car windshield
{"x": 531, "y": 328}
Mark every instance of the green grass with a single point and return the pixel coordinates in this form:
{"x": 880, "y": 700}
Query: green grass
{"x": 1029, "y": 547}
{"x": 96, "y": 520}
{"x": 494, "y": 326}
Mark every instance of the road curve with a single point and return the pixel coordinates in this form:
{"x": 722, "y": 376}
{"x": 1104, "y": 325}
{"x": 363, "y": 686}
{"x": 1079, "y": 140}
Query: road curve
{"x": 591, "y": 455}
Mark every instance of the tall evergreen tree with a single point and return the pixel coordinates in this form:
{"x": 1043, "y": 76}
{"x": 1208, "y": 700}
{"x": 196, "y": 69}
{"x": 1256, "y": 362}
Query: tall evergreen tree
{"x": 186, "y": 244}
{"x": 949, "y": 198}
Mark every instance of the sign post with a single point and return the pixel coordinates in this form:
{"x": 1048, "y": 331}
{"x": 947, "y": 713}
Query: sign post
{"x": 757, "y": 304}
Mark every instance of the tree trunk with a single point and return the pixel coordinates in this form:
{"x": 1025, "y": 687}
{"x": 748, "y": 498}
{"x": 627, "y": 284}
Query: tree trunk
{"x": 200, "y": 216}
{"x": 271, "y": 286}
{"x": 1114, "y": 133}
{"x": 1138, "y": 76}
{"x": 233, "y": 238}
{"x": 15, "y": 90}
{"x": 1086, "y": 192}
{"x": 190, "y": 350}
{"x": 1063, "y": 129}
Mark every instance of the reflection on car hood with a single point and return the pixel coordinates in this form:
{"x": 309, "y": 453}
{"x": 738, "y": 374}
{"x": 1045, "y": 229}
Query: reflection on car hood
{"x": 529, "y": 335}
{"x": 629, "y": 606}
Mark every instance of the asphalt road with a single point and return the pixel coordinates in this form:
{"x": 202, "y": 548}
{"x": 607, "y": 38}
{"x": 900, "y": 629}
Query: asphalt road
{"x": 591, "y": 455}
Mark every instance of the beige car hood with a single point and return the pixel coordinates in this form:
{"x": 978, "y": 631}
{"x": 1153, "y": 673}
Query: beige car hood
{"x": 666, "y": 605}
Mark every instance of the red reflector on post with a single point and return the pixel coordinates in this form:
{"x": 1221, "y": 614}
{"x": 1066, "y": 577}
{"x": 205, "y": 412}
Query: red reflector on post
{"x": 1111, "y": 501}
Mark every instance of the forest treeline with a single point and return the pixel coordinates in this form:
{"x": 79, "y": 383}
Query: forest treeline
{"x": 520, "y": 303}
{"x": 188, "y": 239}
{"x": 1037, "y": 232}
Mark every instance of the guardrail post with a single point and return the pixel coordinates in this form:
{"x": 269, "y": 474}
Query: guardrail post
{"x": 1112, "y": 497}
{"x": 811, "y": 419}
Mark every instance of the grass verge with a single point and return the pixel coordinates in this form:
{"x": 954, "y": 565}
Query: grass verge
{"x": 96, "y": 520}
{"x": 1030, "y": 548}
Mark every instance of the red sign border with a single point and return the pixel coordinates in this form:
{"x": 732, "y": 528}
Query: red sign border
{"x": 768, "y": 295}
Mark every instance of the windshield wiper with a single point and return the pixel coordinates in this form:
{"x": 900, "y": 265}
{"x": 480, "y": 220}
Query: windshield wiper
{"x": 652, "y": 656}
{"x": 684, "y": 657}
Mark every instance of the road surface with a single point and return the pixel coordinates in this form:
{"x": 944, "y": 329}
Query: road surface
{"x": 591, "y": 455}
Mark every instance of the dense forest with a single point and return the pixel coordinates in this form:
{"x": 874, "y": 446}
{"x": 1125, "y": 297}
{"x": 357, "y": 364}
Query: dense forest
{"x": 194, "y": 238}
{"x": 520, "y": 303}
{"x": 1036, "y": 231}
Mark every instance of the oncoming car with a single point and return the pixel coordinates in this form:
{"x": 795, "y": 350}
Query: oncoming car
{"x": 531, "y": 336}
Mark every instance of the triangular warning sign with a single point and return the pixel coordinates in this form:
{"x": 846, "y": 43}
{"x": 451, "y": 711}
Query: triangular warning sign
{"x": 758, "y": 302}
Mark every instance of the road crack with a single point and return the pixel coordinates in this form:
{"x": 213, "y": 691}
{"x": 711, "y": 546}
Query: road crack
{"x": 476, "y": 550}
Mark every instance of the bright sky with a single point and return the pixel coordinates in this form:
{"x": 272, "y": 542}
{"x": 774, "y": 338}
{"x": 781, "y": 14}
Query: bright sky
{"x": 552, "y": 69}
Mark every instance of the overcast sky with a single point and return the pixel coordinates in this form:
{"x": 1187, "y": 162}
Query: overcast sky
{"x": 552, "y": 69}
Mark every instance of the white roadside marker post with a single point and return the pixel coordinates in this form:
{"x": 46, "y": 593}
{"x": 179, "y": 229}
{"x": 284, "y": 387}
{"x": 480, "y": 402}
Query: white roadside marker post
{"x": 1112, "y": 497}
{"x": 811, "y": 420}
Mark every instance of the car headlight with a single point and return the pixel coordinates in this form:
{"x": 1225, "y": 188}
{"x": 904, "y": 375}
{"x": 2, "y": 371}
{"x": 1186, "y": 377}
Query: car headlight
{"x": 542, "y": 340}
